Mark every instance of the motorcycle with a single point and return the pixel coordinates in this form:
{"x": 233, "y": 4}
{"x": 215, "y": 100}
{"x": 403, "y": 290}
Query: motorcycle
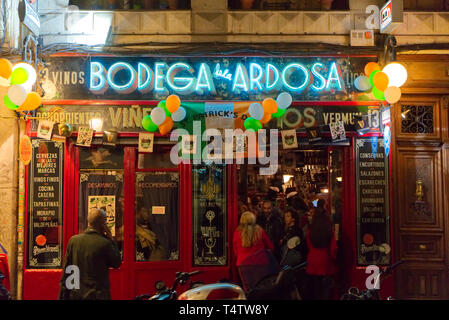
{"x": 198, "y": 290}
{"x": 280, "y": 285}
{"x": 371, "y": 294}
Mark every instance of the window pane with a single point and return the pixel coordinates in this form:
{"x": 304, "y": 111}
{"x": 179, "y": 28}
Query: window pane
{"x": 209, "y": 215}
{"x": 102, "y": 189}
{"x": 157, "y": 216}
{"x": 101, "y": 158}
{"x": 156, "y": 160}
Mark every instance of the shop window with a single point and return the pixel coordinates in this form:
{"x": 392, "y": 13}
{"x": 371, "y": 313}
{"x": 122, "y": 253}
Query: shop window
{"x": 417, "y": 119}
{"x": 336, "y": 184}
{"x": 131, "y": 4}
{"x": 160, "y": 160}
{"x": 426, "y": 5}
{"x": 209, "y": 215}
{"x": 157, "y": 216}
{"x": 101, "y": 186}
{"x": 303, "y": 5}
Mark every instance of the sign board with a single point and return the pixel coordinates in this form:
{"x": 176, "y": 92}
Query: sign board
{"x": 373, "y": 213}
{"x": 29, "y": 17}
{"x": 25, "y": 150}
{"x": 236, "y": 78}
{"x": 45, "y": 207}
{"x": 128, "y": 118}
{"x": 391, "y": 16}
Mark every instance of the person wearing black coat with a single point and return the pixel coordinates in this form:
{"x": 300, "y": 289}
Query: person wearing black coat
{"x": 270, "y": 220}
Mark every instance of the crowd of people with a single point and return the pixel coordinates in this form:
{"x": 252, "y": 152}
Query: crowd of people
{"x": 265, "y": 227}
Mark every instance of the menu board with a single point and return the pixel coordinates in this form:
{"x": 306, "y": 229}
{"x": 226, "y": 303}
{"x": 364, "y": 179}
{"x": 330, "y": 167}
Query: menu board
{"x": 45, "y": 206}
{"x": 373, "y": 221}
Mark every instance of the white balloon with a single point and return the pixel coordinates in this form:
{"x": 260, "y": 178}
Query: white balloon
{"x": 392, "y": 94}
{"x": 179, "y": 114}
{"x": 397, "y": 74}
{"x": 31, "y": 73}
{"x": 256, "y": 111}
{"x": 362, "y": 83}
{"x": 17, "y": 94}
{"x": 158, "y": 116}
{"x": 284, "y": 100}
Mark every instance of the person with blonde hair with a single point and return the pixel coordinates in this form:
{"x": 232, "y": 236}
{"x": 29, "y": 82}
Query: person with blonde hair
{"x": 252, "y": 248}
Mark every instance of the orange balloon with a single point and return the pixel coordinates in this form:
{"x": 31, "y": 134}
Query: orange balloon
{"x": 166, "y": 126}
{"x": 370, "y": 67}
{"x": 32, "y": 101}
{"x": 380, "y": 81}
{"x": 173, "y": 103}
{"x": 270, "y": 106}
{"x": 5, "y": 68}
{"x": 266, "y": 118}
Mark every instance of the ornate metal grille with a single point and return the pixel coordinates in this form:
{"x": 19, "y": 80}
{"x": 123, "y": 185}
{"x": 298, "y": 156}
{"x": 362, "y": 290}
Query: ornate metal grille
{"x": 417, "y": 119}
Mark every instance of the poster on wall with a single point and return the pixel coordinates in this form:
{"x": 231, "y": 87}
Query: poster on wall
{"x": 373, "y": 216}
{"x": 146, "y": 142}
{"x": 45, "y": 205}
{"x": 289, "y": 139}
{"x": 107, "y": 204}
{"x": 84, "y": 136}
{"x": 45, "y": 129}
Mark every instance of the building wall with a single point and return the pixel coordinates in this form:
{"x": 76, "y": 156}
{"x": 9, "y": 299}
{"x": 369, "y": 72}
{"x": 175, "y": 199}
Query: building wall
{"x": 9, "y": 49}
{"x": 421, "y": 152}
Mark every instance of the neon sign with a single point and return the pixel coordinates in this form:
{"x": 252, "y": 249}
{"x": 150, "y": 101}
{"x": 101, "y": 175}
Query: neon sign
{"x": 184, "y": 79}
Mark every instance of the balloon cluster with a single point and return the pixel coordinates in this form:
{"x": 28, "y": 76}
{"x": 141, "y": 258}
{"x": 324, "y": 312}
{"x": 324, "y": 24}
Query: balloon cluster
{"x": 162, "y": 117}
{"x": 270, "y": 108}
{"x": 384, "y": 83}
{"x": 20, "y": 79}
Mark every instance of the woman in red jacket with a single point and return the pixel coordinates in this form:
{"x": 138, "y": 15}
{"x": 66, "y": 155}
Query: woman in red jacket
{"x": 250, "y": 242}
{"x": 322, "y": 253}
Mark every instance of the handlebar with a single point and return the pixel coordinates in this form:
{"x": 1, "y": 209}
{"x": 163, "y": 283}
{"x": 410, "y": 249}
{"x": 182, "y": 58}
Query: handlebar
{"x": 394, "y": 265}
{"x": 354, "y": 294}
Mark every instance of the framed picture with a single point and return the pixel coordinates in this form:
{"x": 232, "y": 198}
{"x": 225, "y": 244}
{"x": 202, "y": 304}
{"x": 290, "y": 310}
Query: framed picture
{"x": 146, "y": 141}
{"x": 289, "y": 139}
{"x": 110, "y": 138}
{"x": 85, "y": 136}
{"x": 106, "y": 203}
{"x": 45, "y": 129}
{"x": 338, "y": 131}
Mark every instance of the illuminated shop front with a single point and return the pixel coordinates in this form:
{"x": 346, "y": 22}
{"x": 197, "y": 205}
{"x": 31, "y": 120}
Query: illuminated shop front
{"x": 170, "y": 217}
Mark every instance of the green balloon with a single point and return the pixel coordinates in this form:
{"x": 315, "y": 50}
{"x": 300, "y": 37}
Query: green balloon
{"x": 252, "y": 124}
{"x": 148, "y": 124}
{"x": 9, "y": 103}
{"x": 379, "y": 95}
{"x": 371, "y": 77}
{"x": 279, "y": 113}
{"x": 19, "y": 76}
{"x": 163, "y": 106}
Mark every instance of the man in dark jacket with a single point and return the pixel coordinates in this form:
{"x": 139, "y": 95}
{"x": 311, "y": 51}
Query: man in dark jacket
{"x": 93, "y": 252}
{"x": 271, "y": 221}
